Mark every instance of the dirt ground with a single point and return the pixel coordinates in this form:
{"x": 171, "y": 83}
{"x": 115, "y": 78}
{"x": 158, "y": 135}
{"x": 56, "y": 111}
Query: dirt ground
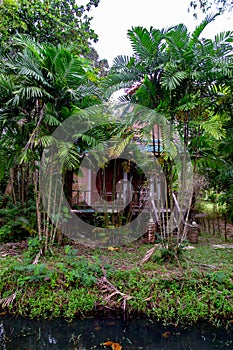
{"x": 12, "y": 249}
{"x": 216, "y": 228}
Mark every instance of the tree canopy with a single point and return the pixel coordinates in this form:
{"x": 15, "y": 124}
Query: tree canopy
{"x": 179, "y": 75}
{"x": 54, "y": 21}
{"x": 188, "y": 79}
{"x": 207, "y": 6}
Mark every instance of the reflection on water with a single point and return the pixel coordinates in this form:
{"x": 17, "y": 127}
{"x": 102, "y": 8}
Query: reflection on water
{"x": 90, "y": 333}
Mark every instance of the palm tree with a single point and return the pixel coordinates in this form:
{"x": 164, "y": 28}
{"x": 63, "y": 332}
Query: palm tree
{"x": 220, "y": 174}
{"x": 40, "y": 87}
{"x": 180, "y": 75}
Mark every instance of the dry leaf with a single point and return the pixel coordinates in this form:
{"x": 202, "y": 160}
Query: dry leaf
{"x": 108, "y": 343}
{"x": 113, "y": 248}
{"x": 166, "y": 334}
{"x": 116, "y": 346}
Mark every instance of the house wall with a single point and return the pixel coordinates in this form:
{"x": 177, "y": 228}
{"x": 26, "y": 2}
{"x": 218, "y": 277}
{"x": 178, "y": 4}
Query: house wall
{"x": 90, "y": 189}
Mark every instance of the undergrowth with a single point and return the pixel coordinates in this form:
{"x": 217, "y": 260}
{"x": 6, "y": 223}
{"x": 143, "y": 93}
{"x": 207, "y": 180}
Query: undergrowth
{"x": 66, "y": 284}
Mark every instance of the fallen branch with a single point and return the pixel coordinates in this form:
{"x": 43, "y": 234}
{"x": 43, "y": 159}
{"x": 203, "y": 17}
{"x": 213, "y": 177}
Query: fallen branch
{"x": 5, "y": 302}
{"x": 149, "y": 254}
{"x": 36, "y": 260}
{"x": 207, "y": 265}
{"x": 107, "y": 287}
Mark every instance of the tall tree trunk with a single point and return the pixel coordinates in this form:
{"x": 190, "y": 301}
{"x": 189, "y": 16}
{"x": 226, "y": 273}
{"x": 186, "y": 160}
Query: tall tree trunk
{"x": 38, "y": 203}
{"x": 10, "y": 191}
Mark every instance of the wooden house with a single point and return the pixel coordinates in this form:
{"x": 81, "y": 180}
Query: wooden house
{"x": 120, "y": 190}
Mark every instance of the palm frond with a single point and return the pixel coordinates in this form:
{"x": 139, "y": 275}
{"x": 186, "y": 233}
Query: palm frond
{"x": 223, "y": 37}
{"x": 69, "y": 156}
{"x": 26, "y": 64}
{"x": 117, "y": 81}
{"x": 199, "y": 29}
{"x": 142, "y": 43}
{"x": 27, "y": 42}
{"x": 6, "y": 87}
{"x": 121, "y": 61}
{"x": 29, "y": 92}
{"x": 26, "y": 92}
{"x": 214, "y": 127}
{"x": 51, "y": 119}
{"x": 44, "y": 141}
{"x": 120, "y": 145}
{"x": 223, "y": 43}
{"x": 88, "y": 89}
{"x": 70, "y": 68}
{"x": 207, "y": 46}
{"x": 172, "y": 77}
{"x": 178, "y": 38}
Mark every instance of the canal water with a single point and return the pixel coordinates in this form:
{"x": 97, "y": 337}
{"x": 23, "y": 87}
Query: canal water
{"x": 91, "y": 333}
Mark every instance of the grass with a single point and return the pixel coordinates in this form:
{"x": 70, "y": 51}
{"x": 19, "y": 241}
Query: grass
{"x": 209, "y": 255}
{"x": 79, "y": 281}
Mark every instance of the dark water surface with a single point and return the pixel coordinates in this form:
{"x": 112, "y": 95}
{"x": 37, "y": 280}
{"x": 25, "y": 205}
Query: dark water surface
{"x": 90, "y": 333}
